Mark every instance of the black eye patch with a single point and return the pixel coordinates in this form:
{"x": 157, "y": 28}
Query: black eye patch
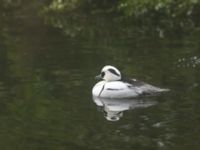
{"x": 102, "y": 74}
{"x": 114, "y": 72}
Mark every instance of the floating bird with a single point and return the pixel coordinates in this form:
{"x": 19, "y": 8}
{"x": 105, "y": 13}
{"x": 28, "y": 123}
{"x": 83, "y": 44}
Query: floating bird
{"x": 113, "y": 85}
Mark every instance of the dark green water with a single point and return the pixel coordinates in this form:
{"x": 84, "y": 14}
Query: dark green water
{"x": 46, "y": 80}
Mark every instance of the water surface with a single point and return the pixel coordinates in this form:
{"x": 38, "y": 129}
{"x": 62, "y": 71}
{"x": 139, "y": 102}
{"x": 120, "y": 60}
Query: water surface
{"x": 46, "y": 79}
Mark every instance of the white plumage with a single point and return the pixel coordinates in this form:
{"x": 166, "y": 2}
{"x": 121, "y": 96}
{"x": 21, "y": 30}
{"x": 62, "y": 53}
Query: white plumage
{"x": 114, "y": 86}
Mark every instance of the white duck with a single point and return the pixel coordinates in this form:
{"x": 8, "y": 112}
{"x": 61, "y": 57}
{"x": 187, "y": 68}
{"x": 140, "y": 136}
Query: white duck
{"x": 114, "y": 86}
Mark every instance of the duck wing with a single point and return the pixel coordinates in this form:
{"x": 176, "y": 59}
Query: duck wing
{"x": 144, "y": 88}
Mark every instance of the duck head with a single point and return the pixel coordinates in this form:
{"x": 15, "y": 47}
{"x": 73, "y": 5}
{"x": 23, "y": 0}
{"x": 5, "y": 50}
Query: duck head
{"x": 109, "y": 73}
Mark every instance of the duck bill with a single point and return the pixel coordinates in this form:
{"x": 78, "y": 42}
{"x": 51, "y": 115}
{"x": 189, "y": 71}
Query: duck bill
{"x": 98, "y": 77}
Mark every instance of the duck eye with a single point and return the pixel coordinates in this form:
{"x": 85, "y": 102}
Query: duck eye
{"x": 102, "y": 74}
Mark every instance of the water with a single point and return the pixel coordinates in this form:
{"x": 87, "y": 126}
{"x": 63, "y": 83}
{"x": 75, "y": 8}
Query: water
{"x": 46, "y": 79}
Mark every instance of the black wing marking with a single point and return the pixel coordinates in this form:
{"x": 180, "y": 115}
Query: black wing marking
{"x": 113, "y": 89}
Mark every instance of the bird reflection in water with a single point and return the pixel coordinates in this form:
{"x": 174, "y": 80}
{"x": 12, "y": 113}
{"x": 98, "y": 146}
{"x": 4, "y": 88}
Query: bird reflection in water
{"x": 113, "y": 108}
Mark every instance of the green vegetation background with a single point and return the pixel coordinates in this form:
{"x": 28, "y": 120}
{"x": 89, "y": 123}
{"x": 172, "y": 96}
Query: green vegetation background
{"x": 76, "y": 17}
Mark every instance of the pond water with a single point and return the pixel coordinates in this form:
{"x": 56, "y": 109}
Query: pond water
{"x": 46, "y": 80}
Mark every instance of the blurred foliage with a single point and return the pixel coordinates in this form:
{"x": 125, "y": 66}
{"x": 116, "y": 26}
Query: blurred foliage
{"x": 162, "y": 16}
{"x": 91, "y": 17}
{"x": 177, "y": 12}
